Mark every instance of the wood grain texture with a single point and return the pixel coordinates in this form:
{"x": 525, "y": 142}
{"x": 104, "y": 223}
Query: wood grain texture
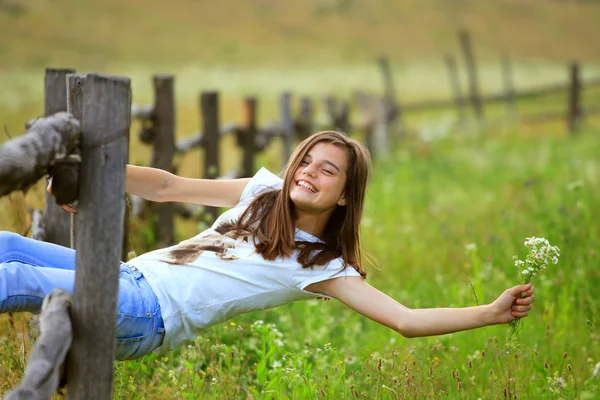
{"x": 105, "y": 123}
{"x": 26, "y": 159}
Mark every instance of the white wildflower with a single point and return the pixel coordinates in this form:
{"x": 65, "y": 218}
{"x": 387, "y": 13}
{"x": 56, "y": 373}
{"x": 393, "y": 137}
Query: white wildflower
{"x": 596, "y": 369}
{"x": 470, "y": 247}
{"x": 525, "y": 272}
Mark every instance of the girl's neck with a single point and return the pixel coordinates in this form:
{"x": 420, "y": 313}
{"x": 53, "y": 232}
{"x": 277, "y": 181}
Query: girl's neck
{"x": 311, "y": 223}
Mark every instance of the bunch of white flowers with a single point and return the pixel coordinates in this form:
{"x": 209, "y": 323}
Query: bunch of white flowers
{"x": 540, "y": 255}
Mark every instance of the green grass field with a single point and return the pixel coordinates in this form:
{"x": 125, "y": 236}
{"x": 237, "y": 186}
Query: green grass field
{"x": 441, "y": 190}
{"x": 423, "y": 208}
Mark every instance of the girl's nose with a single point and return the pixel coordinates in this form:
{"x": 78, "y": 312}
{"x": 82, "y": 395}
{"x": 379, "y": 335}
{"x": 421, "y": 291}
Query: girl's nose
{"x": 309, "y": 170}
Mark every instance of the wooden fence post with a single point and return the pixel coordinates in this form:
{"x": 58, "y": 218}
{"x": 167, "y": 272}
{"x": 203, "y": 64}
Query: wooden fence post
{"x": 465, "y": 42}
{"x": 393, "y": 113}
{"x": 331, "y": 109}
{"x": 455, "y": 88}
{"x": 250, "y": 134}
{"x": 343, "y": 120}
{"x": 163, "y": 150}
{"x": 287, "y": 125}
{"x": 209, "y": 107}
{"x": 367, "y": 119}
{"x": 105, "y": 123}
{"x": 381, "y": 131}
{"x": 305, "y": 119}
{"x": 57, "y": 221}
{"x": 574, "y": 113}
{"x": 509, "y": 88}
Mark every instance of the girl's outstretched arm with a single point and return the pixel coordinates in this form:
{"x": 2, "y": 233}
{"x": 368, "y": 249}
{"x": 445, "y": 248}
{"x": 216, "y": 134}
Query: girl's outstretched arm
{"x": 357, "y": 294}
{"x": 158, "y": 185}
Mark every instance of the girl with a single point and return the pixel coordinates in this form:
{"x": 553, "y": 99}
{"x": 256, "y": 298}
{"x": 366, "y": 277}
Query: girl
{"x": 282, "y": 240}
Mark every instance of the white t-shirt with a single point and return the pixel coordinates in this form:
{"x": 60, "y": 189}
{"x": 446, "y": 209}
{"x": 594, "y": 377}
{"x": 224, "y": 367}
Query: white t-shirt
{"x": 214, "y": 277}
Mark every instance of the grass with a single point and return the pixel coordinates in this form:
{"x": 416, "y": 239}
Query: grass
{"x": 423, "y": 208}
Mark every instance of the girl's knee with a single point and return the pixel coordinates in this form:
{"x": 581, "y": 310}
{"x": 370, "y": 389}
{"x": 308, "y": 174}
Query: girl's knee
{"x": 9, "y": 241}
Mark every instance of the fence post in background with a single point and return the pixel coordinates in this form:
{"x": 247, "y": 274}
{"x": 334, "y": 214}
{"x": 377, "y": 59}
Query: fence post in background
{"x": 455, "y": 88}
{"x": 163, "y": 151}
{"x": 305, "y": 119}
{"x": 250, "y": 104}
{"x": 380, "y": 142}
{"x": 209, "y": 107}
{"x": 105, "y": 123}
{"x": 465, "y": 43}
{"x": 343, "y": 118}
{"x": 392, "y": 109}
{"x": 74, "y": 85}
{"x": 330, "y": 105}
{"x": 57, "y": 221}
{"x": 287, "y": 125}
{"x": 574, "y": 113}
{"x": 509, "y": 88}
{"x": 367, "y": 119}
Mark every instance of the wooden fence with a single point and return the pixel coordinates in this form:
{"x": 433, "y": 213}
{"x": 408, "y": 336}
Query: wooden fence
{"x": 461, "y": 100}
{"x": 95, "y": 135}
{"x": 380, "y": 119}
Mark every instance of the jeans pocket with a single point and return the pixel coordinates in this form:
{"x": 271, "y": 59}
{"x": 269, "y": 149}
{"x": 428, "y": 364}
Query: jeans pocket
{"x": 128, "y": 347}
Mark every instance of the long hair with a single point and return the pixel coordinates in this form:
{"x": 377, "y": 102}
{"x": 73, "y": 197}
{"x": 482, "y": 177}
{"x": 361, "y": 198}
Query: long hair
{"x": 275, "y": 229}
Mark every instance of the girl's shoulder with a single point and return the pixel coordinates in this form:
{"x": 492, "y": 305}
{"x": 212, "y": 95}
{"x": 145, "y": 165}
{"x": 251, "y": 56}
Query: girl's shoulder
{"x": 263, "y": 181}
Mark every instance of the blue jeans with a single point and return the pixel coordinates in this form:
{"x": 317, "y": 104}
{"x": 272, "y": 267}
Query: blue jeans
{"x": 31, "y": 269}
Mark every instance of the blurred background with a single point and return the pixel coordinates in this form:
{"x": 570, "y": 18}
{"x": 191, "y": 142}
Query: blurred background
{"x": 314, "y": 47}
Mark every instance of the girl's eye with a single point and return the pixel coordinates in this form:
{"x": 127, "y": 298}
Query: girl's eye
{"x": 303, "y": 162}
{"x": 328, "y": 172}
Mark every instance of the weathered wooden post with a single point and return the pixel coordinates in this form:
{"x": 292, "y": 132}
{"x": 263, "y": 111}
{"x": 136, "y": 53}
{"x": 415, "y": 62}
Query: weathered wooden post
{"x": 250, "y": 135}
{"x": 465, "y": 43}
{"x": 305, "y": 119}
{"x": 163, "y": 152}
{"x": 367, "y": 119}
{"x": 381, "y": 130}
{"x": 343, "y": 120}
{"x": 392, "y": 109}
{"x": 509, "y": 88}
{"x": 331, "y": 109}
{"x": 105, "y": 121}
{"x": 456, "y": 91}
{"x": 287, "y": 125}
{"x": 209, "y": 106}
{"x": 57, "y": 221}
{"x": 574, "y": 113}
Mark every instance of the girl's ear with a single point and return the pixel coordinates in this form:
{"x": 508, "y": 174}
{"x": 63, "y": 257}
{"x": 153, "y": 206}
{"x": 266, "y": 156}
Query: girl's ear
{"x": 342, "y": 201}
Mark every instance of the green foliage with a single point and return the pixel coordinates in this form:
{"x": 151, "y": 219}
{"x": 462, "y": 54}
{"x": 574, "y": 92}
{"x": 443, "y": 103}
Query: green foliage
{"x": 444, "y": 219}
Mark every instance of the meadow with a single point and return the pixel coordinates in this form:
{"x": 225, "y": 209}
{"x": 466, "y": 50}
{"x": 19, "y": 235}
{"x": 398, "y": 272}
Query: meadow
{"x": 443, "y": 220}
{"x": 445, "y": 214}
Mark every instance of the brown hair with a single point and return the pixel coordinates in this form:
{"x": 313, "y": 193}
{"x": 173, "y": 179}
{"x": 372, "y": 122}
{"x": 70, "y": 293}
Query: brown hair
{"x": 275, "y": 230}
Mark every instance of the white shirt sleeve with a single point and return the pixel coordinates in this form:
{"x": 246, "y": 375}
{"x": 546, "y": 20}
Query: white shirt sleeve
{"x": 334, "y": 269}
{"x": 263, "y": 181}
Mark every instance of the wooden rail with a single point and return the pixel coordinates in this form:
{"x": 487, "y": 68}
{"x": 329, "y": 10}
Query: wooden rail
{"x": 45, "y": 370}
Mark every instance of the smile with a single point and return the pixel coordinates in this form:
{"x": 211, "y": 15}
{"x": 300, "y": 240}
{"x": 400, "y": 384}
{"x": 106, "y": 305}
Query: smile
{"x": 307, "y": 186}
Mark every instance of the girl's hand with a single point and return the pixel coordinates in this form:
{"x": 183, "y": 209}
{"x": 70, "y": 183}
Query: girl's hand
{"x": 514, "y": 302}
{"x": 70, "y": 208}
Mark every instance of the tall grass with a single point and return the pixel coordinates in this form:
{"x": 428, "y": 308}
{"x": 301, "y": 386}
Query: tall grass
{"x": 425, "y": 205}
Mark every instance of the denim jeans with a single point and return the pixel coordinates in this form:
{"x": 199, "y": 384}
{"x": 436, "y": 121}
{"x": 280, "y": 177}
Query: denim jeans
{"x": 31, "y": 269}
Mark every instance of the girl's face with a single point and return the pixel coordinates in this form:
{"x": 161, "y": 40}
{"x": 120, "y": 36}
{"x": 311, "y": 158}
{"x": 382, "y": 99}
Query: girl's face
{"x": 319, "y": 181}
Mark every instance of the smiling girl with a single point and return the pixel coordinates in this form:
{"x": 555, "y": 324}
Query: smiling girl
{"x": 282, "y": 240}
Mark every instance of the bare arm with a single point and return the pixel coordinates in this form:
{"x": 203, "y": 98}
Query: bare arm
{"x": 357, "y": 294}
{"x": 161, "y": 186}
